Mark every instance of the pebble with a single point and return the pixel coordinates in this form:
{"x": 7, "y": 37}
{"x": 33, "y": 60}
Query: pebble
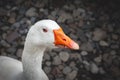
{"x": 60, "y": 67}
{"x": 72, "y": 75}
{"x": 67, "y": 70}
{"x": 98, "y": 59}
{"x": 84, "y": 53}
{"x": 11, "y": 20}
{"x": 76, "y": 56}
{"x": 73, "y": 36}
{"x": 4, "y": 35}
{"x": 33, "y": 19}
{"x": 46, "y": 56}
{"x": 94, "y": 68}
{"x": 47, "y": 69}
{"x": 77, "y": 2}
{"x": 4, "y": 28}
{"x": 54, "y": 13}
{"x": 57, "y": 60}
{"x": 103, "y": 43}
{"x": 79, "y": 12}
{"x": 114, "y": 46}
{"x": 99, "y": 34}
{"x": 87, "y": 46}
{"x": 70, "y": 7}
{"x": 12, "y": 36}
{"x": 107, "y": 58}
{"x": 87, "y": 65}
{"x": 16, "y": 25}
{"x": 11, "y": 50}
{"x": 113, "y": 52}
{"x": 31, "y": 12}
{"x": 114, "y": 36}
{"x": 4, "y": 43}
{"x": 19, "y": 52}
{"x": 3, "y": 54}
{"x": 101, "y": 70}
{"x": 48, "y": 63}
{"x": 64, "y": 56}
{"x": 3, "y": 11}
{"x": 53, "y": 54}
{"x": 72, "y": 64}
{"x": 64, "y": 16}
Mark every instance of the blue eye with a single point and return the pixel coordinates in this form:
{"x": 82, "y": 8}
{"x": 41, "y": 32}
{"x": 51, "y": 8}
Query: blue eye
{"x": 45, "y": 30}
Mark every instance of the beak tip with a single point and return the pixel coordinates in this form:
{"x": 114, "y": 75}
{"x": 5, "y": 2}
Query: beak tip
{"x": 75, "y": 46}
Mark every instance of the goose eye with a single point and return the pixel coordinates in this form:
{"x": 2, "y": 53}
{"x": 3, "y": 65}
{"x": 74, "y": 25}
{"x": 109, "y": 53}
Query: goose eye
{"x": 45, "y": 30}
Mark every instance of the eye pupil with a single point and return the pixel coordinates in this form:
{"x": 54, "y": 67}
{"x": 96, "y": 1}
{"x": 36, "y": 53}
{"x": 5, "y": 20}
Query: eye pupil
{"x": 45, "y": 30}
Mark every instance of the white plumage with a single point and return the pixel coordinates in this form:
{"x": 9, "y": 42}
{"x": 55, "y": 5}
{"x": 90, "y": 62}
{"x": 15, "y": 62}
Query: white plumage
{"x": 37, "y": 41}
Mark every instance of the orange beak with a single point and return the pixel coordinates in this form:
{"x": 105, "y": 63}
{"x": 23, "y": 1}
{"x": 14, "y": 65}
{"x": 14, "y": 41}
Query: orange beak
{"x": 62, "y": 40}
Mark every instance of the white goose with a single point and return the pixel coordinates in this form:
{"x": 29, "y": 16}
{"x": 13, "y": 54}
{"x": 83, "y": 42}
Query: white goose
{"x": 43, "y": 34}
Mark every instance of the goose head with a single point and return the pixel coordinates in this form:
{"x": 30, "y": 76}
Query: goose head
{"x": 47, "y": 33}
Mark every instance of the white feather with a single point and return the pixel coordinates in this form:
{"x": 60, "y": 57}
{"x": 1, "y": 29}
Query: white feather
{"x": 36, "y": 43}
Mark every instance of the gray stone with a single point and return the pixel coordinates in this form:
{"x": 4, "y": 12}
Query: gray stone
{"x": 48, "y": 63}
{"x": 11, "y": 50}
{"x": 19, "y": 52}
{"x": 84, "y": 53}
{"x": 4, "y": 35}
{"x": 94, "y": 68}
{"x": 4, "y": 54}
{"x": 73, "y": 36}
{"x": 103, "y": 43}
{"x": 87, "y": 46}
{"x": 98, "y": 59}
{"x": 67, "y": 70}
{"x": 4, "y": 43}
{"x": 72, "y": 75}
{"x": 51, "y": 17}
{"x": 53, "y": 54}
{"x": 5, "y": 28}
{"x": 79, "y": 12}
{"x": 101, "y": 70}
{"x": 99, "y": 34}
{"x": 31, "y": 12}
{"x": 46, "y": 56}
{"x": 33, "y": 19}
{"x": 87, "y": 65}
{"x": 11, "y": 20}
{"x": 12, "y": 36}
{"x": 77, "y": 1}
{"x": 54, "y": 13}
{"x": 16, "y": 25}
{"x": 114, "y": 46}
{"x": 114, "y": 36}
{"x": 64, "y": 56}
{"x": 47, "y": 69}
{"x": 72, "y": 64}
{"x": 113, "y": 52}
{"x": 3, "y": 11}
{"x": 61, "y": 67}
{"x": 71, "y": 7}
{"x": 63, "y": 16}
{"x": 57, "y": 60}
{"x": 76, "y": 56}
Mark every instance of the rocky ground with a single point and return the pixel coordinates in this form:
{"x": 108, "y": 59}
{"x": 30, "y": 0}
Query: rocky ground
{"x": 93, "y": 24}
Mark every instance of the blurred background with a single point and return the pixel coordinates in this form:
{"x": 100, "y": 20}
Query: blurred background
{"x": 94, "y": 24}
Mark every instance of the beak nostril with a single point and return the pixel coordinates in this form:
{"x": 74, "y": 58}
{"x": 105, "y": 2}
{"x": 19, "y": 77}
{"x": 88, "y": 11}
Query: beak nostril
{"x": 64, "y": 39}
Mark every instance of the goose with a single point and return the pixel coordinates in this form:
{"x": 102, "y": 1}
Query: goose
{"x": 43, "y": 34}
